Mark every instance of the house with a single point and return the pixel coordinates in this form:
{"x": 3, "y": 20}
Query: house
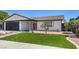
{"x": 23, "y": 23}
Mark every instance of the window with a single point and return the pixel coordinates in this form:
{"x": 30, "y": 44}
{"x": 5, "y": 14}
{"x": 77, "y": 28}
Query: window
{"x": 49, "y": 23}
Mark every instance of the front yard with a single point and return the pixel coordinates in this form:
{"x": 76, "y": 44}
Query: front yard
{"x": 56, "y": 40}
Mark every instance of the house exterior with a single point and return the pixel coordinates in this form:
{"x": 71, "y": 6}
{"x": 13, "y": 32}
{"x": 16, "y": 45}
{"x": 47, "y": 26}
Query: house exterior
{"x": 22, "y": 23}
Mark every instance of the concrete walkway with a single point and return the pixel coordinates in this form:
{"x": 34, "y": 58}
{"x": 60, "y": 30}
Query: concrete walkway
{"x": 13, "y": 32}
{"x": 19, "y": 45}
{"x": 73, "y": 38}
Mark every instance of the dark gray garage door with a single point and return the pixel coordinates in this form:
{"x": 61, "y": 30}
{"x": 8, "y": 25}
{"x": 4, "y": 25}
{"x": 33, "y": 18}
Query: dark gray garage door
{"x": 12, "y": 25}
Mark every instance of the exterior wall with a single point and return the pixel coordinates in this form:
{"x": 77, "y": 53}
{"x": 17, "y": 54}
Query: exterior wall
{"x": 16, "y": 17}
{"x": 27, "y": 25}
{"x": 39, "y": 23}
{"x": 56, "y": 26}
{"x": 23, "y": 25}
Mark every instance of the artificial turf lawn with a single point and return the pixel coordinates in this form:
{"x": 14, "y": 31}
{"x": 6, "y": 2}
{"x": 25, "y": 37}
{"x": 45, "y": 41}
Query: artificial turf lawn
{"x": 42, "y": 39}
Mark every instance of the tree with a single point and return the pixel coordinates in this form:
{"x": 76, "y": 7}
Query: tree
{"x": 77, "y": 18}
{"x": 45, "y": 26}
{"x": 3, "y": 15}
{"x": 71, "y": 19}
{"x": 76, "y": 24}
{"x": 71, "y": 25}
{"x": 66, "y": 24}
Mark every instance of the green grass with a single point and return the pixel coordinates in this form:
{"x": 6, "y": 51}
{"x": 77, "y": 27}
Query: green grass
{"x": 42, "y": 39}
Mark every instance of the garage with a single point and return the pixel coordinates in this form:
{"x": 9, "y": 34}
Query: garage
{"x": 12, "y": 25}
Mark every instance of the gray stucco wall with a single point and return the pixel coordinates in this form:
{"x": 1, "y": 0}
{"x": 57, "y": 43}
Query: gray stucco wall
{"x": 23, "y": 25}
{"x": 56, "y": 26}
{"x": 16, "y": 17}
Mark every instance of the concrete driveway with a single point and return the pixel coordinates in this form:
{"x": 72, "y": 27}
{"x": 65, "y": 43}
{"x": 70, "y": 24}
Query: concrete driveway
{"x": 19, "y": 45}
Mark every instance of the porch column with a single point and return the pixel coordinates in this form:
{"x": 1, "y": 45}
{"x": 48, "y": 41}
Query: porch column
{"x": 4, "y": 25}
{"x": 19, "y": 25}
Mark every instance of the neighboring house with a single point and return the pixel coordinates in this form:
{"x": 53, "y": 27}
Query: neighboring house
{"x": 22, "y": 23}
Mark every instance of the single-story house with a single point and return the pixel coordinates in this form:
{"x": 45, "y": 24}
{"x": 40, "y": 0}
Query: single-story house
{"x": 23, "y": 23}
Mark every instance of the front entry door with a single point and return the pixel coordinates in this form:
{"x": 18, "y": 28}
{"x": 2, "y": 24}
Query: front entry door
{"x": 34, "y": 26}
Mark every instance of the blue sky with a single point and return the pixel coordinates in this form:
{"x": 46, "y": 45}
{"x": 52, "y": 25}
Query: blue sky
{"x": 37, "y": 13}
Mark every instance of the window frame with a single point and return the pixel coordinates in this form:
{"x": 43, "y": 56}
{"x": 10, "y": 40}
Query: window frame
{"x": 51, "y": 23}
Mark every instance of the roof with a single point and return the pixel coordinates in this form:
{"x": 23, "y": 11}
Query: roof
{"x": 17, "y": 17}
{"x": 59, "y": 17}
